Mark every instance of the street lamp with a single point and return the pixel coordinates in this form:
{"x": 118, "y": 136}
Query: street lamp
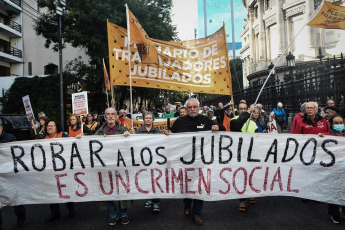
{"x": 59, "y": 11}
{"x": 320, "y": 56}
{"x": 272, "y": 69}
{"x": 290, "y": 60}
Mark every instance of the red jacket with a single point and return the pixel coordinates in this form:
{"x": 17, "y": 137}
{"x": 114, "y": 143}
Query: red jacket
{"x": 297, "y": 119}
{"x": 318, "y": 125}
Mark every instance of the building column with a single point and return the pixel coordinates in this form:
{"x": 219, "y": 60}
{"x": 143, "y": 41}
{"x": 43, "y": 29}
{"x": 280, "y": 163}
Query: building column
{"x": 311, "y": 31}
{"x": 252, "y": 40}
{"x": 280, "y": 27}
{"x": 262, "y": 45}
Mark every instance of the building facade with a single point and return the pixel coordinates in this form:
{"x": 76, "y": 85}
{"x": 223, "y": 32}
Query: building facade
{"x": 22, "y": 51}
{"x": 272, "y": 25}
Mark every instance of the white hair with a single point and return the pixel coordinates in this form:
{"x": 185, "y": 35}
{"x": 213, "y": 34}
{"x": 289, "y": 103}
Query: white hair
{"x": 191, "y": 99}
{"x": 105, "y": 111}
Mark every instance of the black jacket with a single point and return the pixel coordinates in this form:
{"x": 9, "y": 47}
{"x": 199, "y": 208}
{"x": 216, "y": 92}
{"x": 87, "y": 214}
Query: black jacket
{"x": 192, "y": 124}
{"x": 237, "y": 124}
{"x": 7, "y": 137}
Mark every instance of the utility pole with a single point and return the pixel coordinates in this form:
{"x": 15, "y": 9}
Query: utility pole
{"x": 205, "y": 18}
{"x": 59, "y": 11}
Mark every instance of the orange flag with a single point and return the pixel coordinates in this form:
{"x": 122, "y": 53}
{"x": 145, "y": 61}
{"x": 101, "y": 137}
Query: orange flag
{"x": 329, "y": 16}
{"x": 147, "y": 50}
{"x": 106, "y": 77}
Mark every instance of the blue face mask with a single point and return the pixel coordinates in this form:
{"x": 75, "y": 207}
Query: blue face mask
{"x": 338, "y": 128}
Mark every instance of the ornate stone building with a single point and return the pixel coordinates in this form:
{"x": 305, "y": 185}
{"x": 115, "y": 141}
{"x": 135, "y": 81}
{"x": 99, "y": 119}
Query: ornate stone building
{"x": 271, "y": 25}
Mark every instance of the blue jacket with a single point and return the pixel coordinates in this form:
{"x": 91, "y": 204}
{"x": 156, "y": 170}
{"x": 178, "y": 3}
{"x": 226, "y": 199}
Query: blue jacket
{"x": 280, "y": 112}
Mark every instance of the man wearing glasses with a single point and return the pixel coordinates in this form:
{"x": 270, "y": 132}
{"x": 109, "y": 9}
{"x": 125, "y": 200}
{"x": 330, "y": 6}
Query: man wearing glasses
{"x": 112, "y": 127}
{"x": 194, "y": 122}
{"x": 312, "y": 123}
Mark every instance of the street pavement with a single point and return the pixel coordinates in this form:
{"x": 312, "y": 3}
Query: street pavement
{"x": 268, "y": 213}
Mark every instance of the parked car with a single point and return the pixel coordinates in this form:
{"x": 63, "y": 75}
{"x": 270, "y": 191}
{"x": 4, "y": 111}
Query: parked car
{"x": 18, "y": 125}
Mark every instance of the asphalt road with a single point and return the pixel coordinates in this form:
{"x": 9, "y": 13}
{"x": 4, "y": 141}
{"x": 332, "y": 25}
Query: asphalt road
{"x": 268, "y": 213}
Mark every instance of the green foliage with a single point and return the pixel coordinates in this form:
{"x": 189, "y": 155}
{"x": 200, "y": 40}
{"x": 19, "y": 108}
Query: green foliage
{"x": 236, "y": 75}
{"x": 44, "y": 93}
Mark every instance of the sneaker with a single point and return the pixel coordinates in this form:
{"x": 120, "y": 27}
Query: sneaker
{"x": 113, "y": 221}
{"x": 124, "y": 220}
{"x": 148, "y": 204}
{"x": 336, "y": 219}
{"x": 156, "y": 208}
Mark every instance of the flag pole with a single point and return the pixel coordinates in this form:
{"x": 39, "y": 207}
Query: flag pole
{"x": 129, "y": 64}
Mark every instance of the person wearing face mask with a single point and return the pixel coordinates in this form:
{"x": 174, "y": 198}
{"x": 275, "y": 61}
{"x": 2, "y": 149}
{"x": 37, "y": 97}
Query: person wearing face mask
{"x": 337, "y": 129}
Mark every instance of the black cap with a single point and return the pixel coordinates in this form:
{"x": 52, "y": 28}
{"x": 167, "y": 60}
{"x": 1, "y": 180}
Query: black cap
{"x": 334, "y": 108}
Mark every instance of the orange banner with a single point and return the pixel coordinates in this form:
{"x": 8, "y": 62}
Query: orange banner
{"x": 106, "y": 77}
{"x": 198, "y": 66}
{"x": 146, "y": 48}
{"x": 330, "y": 16}
{"x": 162, "y": 126}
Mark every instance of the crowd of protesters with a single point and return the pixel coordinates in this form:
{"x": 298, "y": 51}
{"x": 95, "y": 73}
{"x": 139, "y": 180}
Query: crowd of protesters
{"x": 192, "y": 117}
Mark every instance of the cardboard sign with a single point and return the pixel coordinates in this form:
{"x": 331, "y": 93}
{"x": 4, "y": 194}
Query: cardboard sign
{"x": 80, "y": 103}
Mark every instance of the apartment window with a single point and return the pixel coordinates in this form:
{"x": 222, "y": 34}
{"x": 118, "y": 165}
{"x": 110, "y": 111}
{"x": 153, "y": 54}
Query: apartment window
{"x": 50, "y": 69}
{"x": 30, "y": 68}
{"x": 4, "y": 71}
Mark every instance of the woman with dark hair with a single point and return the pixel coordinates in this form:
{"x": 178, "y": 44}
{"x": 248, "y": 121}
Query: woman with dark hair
{"x": 74, "y": 130}
{"x": 336, "y": 124}
{"x": 91, "y": 123}
{"x": 53, "y": 130}
{"x": 148, "y": 128}
{"x": 41, "y": 129}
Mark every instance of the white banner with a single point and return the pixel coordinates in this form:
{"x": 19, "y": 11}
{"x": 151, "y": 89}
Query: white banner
{"x": 204, "y": 165}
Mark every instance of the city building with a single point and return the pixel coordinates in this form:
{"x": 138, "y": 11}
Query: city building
{"x": 22, "y": 51}
{"x": 271, "y": 26}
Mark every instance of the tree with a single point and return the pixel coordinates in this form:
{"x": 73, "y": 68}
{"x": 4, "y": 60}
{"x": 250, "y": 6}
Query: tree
{"x": 36, "y": 87}
{"x": 84, "y": 26}
{"x": 236, "y": 75}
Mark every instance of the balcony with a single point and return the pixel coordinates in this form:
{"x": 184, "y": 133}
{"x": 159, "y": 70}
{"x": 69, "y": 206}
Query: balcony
{"x": 14, "y": 6}
{"x": 11, "y": 24}
{"x": 10, "y": 54}
{"x": 17, "y": 2}
{"x": 10, "y": 28}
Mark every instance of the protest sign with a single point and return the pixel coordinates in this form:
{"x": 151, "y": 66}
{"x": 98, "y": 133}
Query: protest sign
{"x": 204, "y": 165}
{"x": 199, "y": 66}
{"x": 28, "y": 109}
{"x": 80, "y": 103}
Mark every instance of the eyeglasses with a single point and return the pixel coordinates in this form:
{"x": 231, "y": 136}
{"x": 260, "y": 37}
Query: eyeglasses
{"x": 193, "y": 107}
{"x": 311, "y": 107}
{"x": 110, "y": 114}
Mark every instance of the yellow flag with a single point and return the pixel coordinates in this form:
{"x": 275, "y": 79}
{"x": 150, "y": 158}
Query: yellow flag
{"x": 198, "y": 66}
{"x": 330, "y": 16}
{"x": 146, "y": 48}
{"x": 106, "y": 77}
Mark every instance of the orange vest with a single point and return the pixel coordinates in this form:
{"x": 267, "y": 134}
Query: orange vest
{"x": 226, "y": 122}
{"x": 59, "y": 135}
{"x": 72, "y": 132}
